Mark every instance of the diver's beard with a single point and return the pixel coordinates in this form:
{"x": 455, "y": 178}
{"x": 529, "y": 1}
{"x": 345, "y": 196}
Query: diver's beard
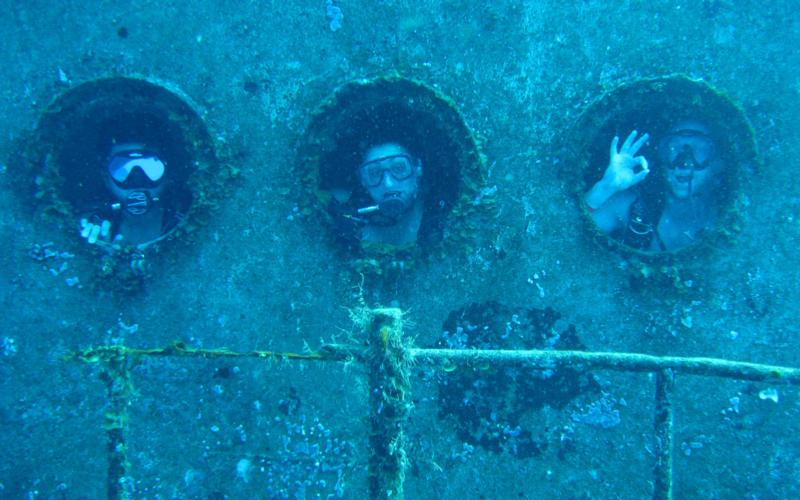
{"x": 393, "y": 207}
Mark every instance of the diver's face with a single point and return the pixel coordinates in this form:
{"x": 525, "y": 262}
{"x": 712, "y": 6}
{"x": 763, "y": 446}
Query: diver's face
{"x": 389, "y": 171}
{"x": 690, "y": 161}
{"x": 138, "y": 192}
{"x": 132, "y": 168}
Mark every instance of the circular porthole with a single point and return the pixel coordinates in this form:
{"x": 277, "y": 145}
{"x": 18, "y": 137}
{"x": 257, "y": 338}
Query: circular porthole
{"x": 126, "y": 164}
{"x": 394, "y": 166}
{"x": 674, "y": 188}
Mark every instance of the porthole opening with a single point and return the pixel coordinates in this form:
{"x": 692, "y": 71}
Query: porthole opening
{"x": 391, "y": 160}
{"x": 675, "y": 187}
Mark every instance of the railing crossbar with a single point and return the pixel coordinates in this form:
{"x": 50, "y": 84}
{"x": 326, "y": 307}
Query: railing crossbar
{"x": 627, "y": 362}
{"x": 545, "y": 359}
{"x": 388, "y": 357}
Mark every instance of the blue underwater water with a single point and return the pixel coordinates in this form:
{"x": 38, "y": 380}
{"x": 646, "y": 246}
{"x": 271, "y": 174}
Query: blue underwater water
{"x": 202, "y": 298}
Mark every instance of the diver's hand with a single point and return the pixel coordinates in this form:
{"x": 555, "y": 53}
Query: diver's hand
{"x": 621, "y": 172}
{"x": 96, "y": 234}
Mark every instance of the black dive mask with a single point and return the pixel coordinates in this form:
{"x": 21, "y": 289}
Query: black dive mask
{"x": 688, "y": 149}
{"x": 685, "y": 160}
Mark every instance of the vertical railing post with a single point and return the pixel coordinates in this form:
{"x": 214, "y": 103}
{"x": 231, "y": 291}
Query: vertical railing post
{"x": 119, "y": 387}
{"x": 388, "y": 363}
{"x": 663, "y": 447}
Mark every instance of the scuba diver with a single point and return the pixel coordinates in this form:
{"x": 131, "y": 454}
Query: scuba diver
{"x": 391, "y": 177}
{"x": 137, "y": 180}
{"x": 691, "y": 167}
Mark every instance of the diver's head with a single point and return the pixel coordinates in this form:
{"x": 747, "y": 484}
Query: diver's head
{"x": 390, "y": 174}
{"x": 135, "y": 175}
{"x": 690, "y": 158}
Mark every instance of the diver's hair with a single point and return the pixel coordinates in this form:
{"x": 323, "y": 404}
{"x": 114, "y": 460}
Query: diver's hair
{"x": 367, "y": 145}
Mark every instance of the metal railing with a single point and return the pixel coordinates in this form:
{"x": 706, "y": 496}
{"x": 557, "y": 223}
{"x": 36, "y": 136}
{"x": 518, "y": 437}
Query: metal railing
{"x": 387, "y": 358}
